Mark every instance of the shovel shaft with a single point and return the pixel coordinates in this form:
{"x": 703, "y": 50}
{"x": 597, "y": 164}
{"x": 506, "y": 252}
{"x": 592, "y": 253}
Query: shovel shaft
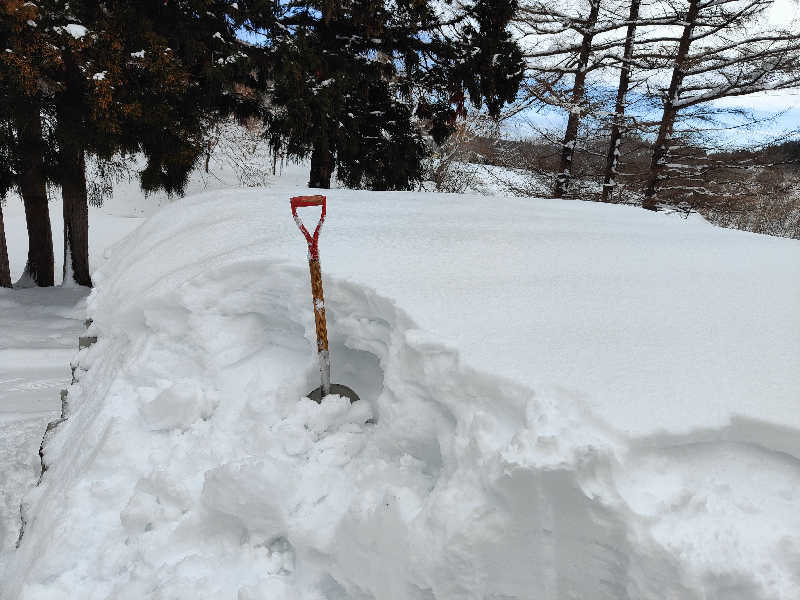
{"x": 321, "y": 325}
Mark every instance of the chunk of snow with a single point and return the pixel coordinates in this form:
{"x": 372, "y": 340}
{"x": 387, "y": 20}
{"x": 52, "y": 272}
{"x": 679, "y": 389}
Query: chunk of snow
{"x": 75, "y": 30}
{"x": 177, "y": 407}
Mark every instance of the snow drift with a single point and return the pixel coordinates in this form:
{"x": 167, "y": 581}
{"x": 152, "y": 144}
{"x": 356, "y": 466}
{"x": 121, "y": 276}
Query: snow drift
{"x": 191, "y": 466}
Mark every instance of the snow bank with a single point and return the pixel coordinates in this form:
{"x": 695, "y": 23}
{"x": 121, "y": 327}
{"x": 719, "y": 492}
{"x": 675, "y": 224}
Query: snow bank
{"x": 191, "y": 467}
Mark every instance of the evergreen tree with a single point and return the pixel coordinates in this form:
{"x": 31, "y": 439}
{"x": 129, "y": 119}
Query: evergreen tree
{"x": 121, "y": 77}
{"x": 25, "y": 61}
{"x": 179, "y": 71}
{"x": 352, "y": 82}
{"x": 71, "y": 108}
{"x": 149, "y": 80}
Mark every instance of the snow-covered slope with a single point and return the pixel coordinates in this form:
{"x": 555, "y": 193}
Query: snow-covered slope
{"x": 38, "y": 337}
{"x": 571, "y": 401}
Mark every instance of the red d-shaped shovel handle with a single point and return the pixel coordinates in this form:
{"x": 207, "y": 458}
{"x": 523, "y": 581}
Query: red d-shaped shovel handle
{"x": 313, "y": 240}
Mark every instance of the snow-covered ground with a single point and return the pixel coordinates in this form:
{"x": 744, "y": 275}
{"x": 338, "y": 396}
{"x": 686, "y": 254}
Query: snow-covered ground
{"x": 40, "y": 328}
{"x": 571, "y": 400}
{"x": 39, "y": 335}
{"x": 37, "y": 343}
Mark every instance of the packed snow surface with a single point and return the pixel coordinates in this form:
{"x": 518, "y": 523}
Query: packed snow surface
{"x": 559, "y": 400}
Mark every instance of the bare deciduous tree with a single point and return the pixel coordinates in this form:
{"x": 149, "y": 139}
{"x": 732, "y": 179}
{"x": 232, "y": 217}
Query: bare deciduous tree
{"x": 618, "y": 118}
{"x": 723, "y": 51}
{"x": 560, "y": 62}
{"x": 455, "y": 166}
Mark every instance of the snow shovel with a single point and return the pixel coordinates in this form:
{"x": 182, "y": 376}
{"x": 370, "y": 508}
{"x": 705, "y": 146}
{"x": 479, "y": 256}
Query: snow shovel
{"x": 319, "y": 302}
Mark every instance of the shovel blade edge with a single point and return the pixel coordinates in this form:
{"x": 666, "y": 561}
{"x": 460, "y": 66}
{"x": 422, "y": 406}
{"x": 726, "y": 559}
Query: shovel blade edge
{"x": 336, "y": 390}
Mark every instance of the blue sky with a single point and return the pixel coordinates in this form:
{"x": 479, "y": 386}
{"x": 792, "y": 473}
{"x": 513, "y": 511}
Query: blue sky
{"x": 781, "y": 118}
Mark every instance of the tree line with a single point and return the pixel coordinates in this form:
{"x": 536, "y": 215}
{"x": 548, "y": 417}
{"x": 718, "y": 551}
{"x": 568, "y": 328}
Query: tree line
{"x": 361, "y": 87}
{"x": 364, "y": 89}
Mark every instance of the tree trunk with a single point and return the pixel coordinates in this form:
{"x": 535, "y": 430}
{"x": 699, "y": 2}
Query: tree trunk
{"x": 661, "y": 147}
{"x": 72, "y": 176}
{"x": 575, "y": 113}
{"x": 5, "y": 271}
{"x": 658, "y": 158}
{"x": 612, "y": 159}
{"x": 33, "y": 189}
{"x": 76, "y": 217}
{"x": 321, "y": 165}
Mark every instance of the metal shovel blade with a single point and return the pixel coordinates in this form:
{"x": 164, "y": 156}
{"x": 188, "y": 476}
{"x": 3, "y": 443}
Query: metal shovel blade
{"x": 337, "y": 390}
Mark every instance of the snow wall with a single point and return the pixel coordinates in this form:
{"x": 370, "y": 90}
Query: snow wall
{"x": 191, "y": 467}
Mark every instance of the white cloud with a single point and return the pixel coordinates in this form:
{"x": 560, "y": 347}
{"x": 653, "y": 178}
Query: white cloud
{"x": 765, "y": 101}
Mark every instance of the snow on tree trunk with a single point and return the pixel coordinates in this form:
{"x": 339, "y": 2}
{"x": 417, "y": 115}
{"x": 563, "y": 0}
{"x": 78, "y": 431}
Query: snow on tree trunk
{"x": 576, "y": 111}
{"x": 76, "y": 219}
{"x": 39, "y": 270}
{"x": 5, "y": 272}
{"x": 612, "y": 159}
{"x": 661, "y": 146}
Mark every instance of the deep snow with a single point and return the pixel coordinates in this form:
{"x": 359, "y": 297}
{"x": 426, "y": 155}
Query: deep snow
{"x": 660, "y": 324}
{"x": 572, "y": 401}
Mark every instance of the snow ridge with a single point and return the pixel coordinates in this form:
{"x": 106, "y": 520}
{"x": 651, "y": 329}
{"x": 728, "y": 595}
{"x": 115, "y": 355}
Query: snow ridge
{"x": 191, "y": 466}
